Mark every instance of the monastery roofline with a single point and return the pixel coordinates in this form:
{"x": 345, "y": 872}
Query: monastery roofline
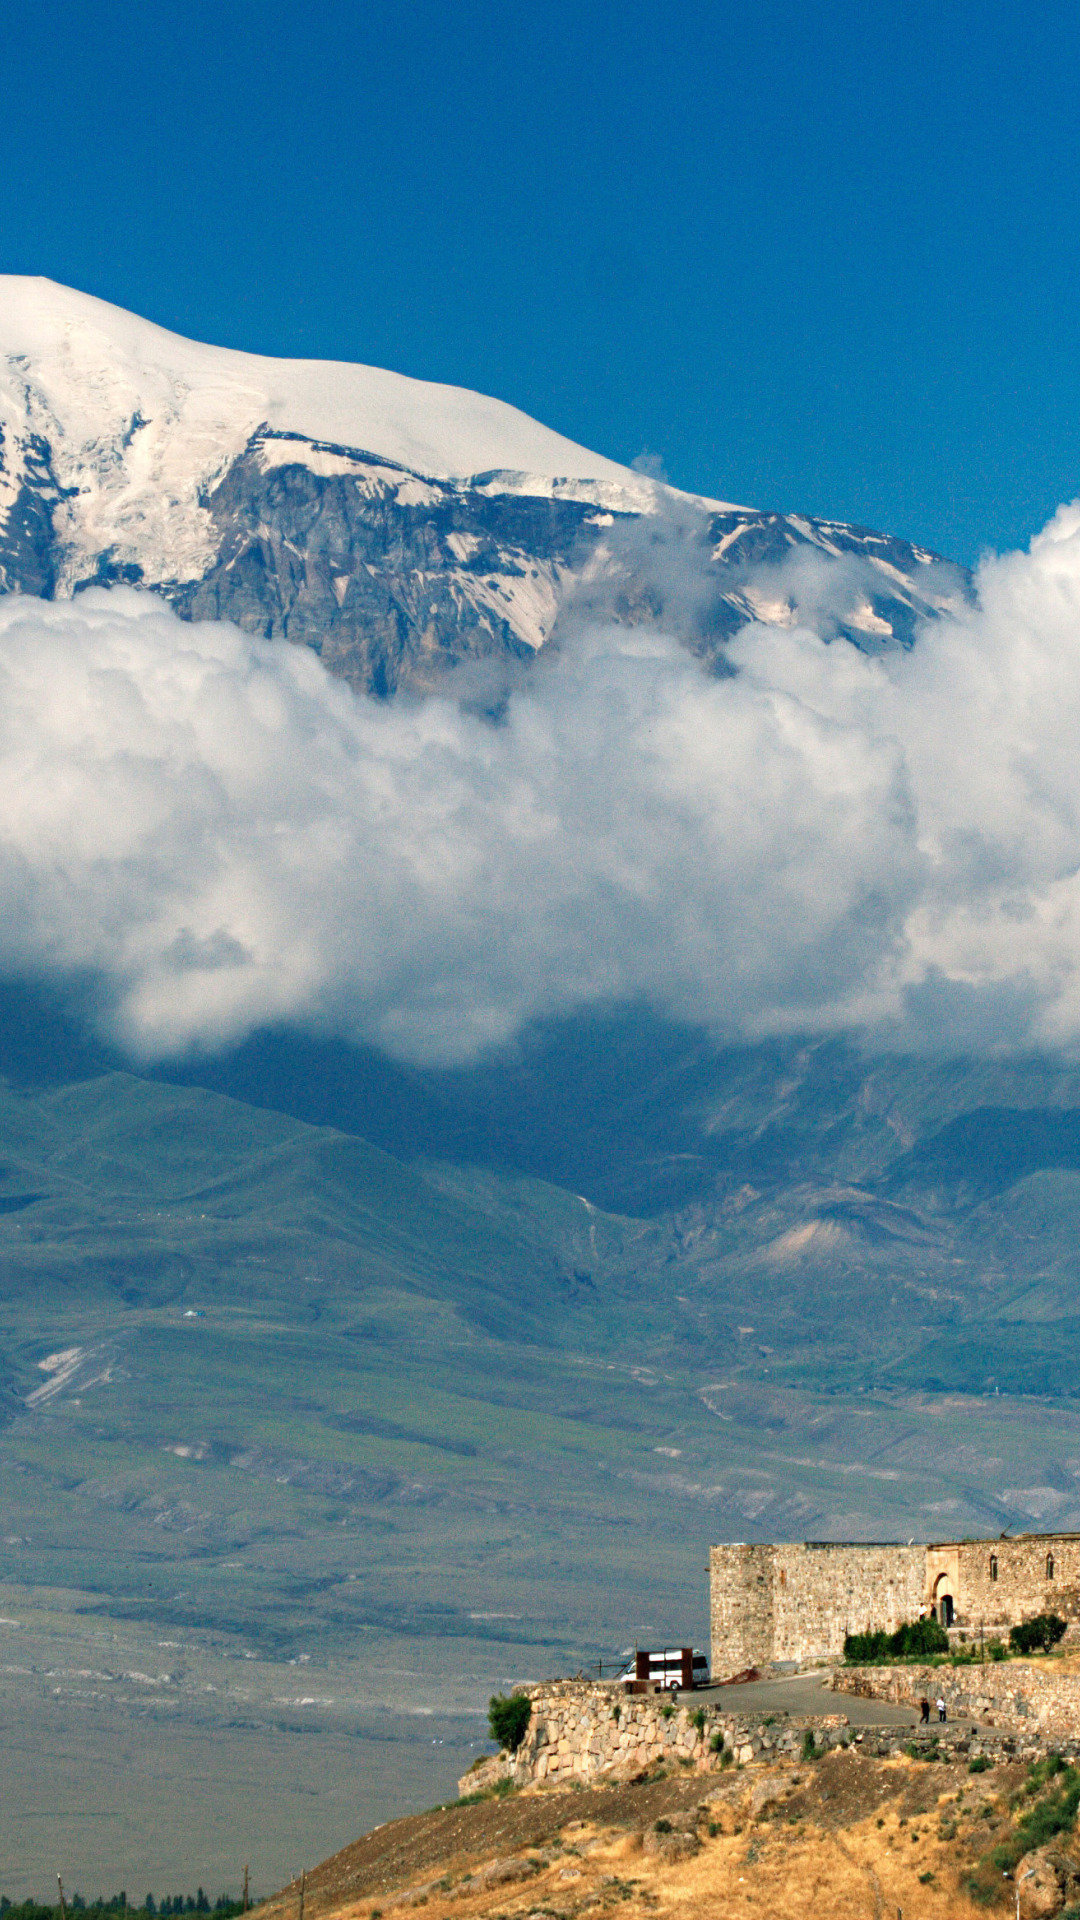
{"x": 965, "y": 1540}
{"x": 992, "y": 1539}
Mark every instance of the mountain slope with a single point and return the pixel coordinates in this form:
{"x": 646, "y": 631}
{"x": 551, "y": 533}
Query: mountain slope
{"x": 359, "y": 1443}
{"x": 396, "y": 526}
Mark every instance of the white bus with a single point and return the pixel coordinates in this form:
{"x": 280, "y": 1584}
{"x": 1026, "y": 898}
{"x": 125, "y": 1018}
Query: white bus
{"x": 674, "y": 1669}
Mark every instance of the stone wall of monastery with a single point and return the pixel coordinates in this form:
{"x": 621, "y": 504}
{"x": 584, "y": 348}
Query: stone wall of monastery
{"x": 1023, "y": 1585}
{"x": 798, "y": 1602}
{"x": 778, "y": 1604}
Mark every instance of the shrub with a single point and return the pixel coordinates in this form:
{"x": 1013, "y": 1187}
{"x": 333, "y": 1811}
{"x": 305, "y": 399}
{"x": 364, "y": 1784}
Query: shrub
{"x": 982, "y": 1763}
{"x": 508, "y": 1717}
{"x": 859, "y": 1648}
{"x": 809, "y": 1745}
{"x": 1043, "y": 1770}
{"x": 662, "y": 1826}
{"x": 698, "y": 1719}
{"x": 913, "y": 1640}
{"x": 1038, "y": 1634}
{"x": 666, "y": 1712}
{"x": 997, "y": 1650}
{"x": 1055, "y": 1813}
{"x": 918, "y": 1637}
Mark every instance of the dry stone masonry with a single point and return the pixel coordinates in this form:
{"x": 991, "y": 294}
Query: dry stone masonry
{"x": 1038, "y": 1702}
{"x": 581, "y": 1732}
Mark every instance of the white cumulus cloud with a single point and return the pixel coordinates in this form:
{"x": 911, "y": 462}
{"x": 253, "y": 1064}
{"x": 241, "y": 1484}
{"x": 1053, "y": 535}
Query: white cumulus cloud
{"x": 220, "y": 834}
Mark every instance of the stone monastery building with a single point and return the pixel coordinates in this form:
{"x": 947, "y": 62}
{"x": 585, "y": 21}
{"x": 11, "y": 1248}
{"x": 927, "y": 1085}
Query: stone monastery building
{"x": 774, "y": 1604}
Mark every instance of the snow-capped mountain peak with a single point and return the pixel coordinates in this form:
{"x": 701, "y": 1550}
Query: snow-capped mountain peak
{"x": 393, "y": 524}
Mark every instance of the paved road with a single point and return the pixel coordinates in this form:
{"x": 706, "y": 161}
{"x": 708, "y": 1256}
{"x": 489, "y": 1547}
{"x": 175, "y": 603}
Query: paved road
{"x": 804, "y": 1693}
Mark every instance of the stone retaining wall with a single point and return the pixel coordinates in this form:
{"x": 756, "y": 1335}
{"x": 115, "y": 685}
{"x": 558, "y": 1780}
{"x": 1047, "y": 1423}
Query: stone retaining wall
{"x": 581, "y": 1731}
{"x": 1012, "y": 1694}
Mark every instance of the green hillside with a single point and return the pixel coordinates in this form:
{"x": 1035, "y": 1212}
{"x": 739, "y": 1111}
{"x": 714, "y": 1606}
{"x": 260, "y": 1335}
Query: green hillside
{"x": 366, "y": 1438}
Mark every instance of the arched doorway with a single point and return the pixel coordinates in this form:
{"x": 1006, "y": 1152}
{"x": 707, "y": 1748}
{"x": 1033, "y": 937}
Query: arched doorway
{"x": 944, "y": 1610}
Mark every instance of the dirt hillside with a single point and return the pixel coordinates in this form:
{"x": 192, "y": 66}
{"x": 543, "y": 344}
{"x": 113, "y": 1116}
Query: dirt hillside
{"x": 834, "y": 1837}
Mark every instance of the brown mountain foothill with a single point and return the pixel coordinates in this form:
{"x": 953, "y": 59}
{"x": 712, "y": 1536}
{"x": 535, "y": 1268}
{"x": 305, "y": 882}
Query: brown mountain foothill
{"x": 846, "y": 1836}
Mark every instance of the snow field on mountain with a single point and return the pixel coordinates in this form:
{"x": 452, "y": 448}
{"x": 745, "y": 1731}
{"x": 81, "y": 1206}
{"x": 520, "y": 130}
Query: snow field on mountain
{"x": 141, "y": 421}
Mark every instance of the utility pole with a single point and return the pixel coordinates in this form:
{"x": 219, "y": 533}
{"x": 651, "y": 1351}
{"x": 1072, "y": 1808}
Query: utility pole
{"x": 303, "y": 1885}
{"x": 245, "y": 1889}
{"x": 63, "y": 1909}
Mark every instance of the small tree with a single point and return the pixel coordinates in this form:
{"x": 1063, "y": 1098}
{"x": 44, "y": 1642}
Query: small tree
{"x": 1037, "y": 1635}
{"x": 508, "y": 1717}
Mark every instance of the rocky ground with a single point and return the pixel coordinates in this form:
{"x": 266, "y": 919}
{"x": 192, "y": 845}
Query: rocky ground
{"x": 841, "y": 1835}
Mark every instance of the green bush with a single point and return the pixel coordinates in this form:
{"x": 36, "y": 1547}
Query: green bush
{"x": 997, "y": 1650}
{"x": 1037, "y": 1635}
{"x": 920, "y": 1637}
{"x": 698, "y": 1719}
{"x": 508, "y": 1717}
{"x": 860, "y": 1648}
{"x": 1043, "y": 1770}
{"x": 914, "y": 1640}
{"x": 1054, "y": 1814}
{"x": 982, "y": 1763}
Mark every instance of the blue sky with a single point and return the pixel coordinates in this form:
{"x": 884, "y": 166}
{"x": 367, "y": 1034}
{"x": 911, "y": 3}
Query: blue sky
{"x": 817, "y": 258}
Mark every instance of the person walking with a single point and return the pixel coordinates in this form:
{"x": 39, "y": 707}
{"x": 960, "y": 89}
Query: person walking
{"x": 941, "y": 1707}
{"x": 924, "y": 1712}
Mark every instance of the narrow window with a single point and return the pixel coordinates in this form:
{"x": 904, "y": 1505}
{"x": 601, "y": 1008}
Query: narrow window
{"x": 1049, "y": 1566}
{"x": 993, "y": 1566}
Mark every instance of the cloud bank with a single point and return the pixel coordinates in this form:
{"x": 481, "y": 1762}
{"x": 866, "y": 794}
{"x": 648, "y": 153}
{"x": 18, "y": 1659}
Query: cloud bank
{"x": 220, "y": 835}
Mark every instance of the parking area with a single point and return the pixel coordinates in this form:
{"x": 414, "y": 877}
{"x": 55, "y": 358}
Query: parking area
{"x": 805, "y": 1693}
